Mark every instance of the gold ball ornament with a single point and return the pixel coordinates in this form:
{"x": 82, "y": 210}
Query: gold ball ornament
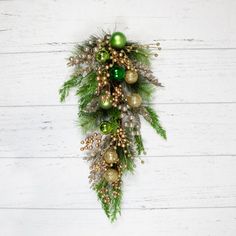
{"x": 110, "y": 156}
{"x": 131, "y": 77}
{"x": 111, "y": 176}
{"x": 134, "y": 100}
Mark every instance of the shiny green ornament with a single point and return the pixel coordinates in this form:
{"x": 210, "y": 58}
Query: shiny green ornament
{"x": 105, "y": 102}
{"x": 117, "y": 40}
{"x": 117, "y": 73}
{"x": 102, "y": 56}
{"x": 106, "y": 127}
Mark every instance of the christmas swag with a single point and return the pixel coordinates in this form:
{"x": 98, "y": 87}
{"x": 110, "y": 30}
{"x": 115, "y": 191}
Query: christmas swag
{"x": 114, "y": 84}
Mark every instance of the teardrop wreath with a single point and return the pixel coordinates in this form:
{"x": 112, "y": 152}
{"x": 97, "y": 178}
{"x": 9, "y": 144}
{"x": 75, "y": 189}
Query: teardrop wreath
{"x": 114, "y": 83}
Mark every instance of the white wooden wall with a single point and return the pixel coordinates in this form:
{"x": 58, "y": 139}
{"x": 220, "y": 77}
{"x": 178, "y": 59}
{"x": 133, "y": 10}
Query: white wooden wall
{"x": 187, "y": 186}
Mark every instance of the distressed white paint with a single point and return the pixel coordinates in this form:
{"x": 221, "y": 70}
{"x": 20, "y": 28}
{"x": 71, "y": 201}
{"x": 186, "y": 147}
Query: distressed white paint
{"x": 51, "y": 131}
{"x": 165, "y": 182}
{"x": 190, "y": 76}
{"x": 187, "y": 185}
{"x": 164, "y": 222}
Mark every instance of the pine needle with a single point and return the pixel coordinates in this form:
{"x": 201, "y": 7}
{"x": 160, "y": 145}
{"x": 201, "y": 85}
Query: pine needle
{"x": 141, "y": 55}
{"x": 113, "y": 207}
{"x": 68, "y": 85}
{"x": 139, "y": 144}
{"x": 87, "y": 89}
{"x": 155, "y": 123}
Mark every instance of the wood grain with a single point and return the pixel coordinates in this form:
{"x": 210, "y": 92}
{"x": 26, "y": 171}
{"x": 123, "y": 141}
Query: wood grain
{"x": 83, "y": 222}
{"x": 191, "y": 76}
{"x": 165, "y": 182}
{"x": 198, "y": 129}
{"x": 187, "y": 184}
{"x": 53, "y": 25}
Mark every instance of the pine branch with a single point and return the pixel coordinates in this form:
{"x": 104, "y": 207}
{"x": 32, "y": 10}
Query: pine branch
{"x": 113, "y": 207}
{"x": 87, "y": 89}
{"x": 116, "y": 206}
{"x": 105, "y": 206}
{"x": 139, "y": 144}
{"x": 141, "y": 55}
{"x": 143, "y": 87}
{"x": 88, "y": 121}
{"x": 126, "y": 160}
{"x": 68, "y": 85}
{"x": 154, "y": 121}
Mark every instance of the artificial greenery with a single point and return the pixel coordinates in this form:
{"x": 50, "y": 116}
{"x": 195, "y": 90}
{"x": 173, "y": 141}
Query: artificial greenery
{"x": 140, "y": 54}
{"x": 111, "y": 210}
{"x": 87, "y": 89}
{"x": 68, "y": 85}
{"x": 144, "y": 88}
{"x": 155, "y": 123}
{"x": 103, "y": 98}
{"x": 139, "y": 144}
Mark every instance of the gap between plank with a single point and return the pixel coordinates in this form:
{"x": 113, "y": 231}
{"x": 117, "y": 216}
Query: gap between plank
{"x": 156, "y": 156}
{"x": 99, "y": 209}
{"x": 165, "y": 49}
{"x": 161, "y": 103}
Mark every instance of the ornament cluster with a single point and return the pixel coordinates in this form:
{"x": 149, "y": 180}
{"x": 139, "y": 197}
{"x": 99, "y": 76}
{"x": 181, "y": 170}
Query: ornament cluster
{"x": 113, "y": 80}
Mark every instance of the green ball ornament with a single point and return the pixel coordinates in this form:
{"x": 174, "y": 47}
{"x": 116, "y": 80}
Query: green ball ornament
{"x": 106, "y": 127}
{"x": 102, "y": 56}
{"x": 117, "y": 73}
{"x": 117, "y": 40}
{"x": 105, "y": 102}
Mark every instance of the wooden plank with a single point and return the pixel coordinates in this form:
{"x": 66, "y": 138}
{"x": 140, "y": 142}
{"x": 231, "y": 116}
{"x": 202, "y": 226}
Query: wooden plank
{"x": 198, "y": 129}
{"x": 187, "y": 185}
{"x": 192, "y": 222}
{"x": 27, "y": 26}
{"x": 162, "y": 182}
{"x": 189, "y": 76}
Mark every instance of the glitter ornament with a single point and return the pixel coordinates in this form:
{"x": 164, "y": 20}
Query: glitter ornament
{"x": 110, "y": 156}
{"x": 131, "y": 77}
{"x": 111, "y": 175}
{"x": 134, "y": 100}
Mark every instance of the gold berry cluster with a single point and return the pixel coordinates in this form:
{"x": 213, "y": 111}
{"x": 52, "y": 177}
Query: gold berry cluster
{"x": 106, "y": 96}
{"x": 136, "y": 48}
{"x": 120, "y": 58}
{"x": 91, "y": 141}
{"x": 98, "y": 166}
{"x": 119, "y": 139}
{"x": 114, "y": 192}
{"x": 117, "y": 96}
{"x": 102, "y": 78}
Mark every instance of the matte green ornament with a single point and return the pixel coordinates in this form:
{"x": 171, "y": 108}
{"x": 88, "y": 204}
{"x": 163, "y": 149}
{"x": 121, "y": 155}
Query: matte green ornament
{"x": 117, "y": 73}
{"x": 118, "y": 40}
{"x": 105, "y": 102}
{"x": 102, "y": 56}
{"x": 106, "y": 127}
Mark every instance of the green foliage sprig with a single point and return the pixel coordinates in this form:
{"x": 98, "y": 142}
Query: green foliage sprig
{"x": 73, "y": 82}
{"x": 155, "y": 123}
